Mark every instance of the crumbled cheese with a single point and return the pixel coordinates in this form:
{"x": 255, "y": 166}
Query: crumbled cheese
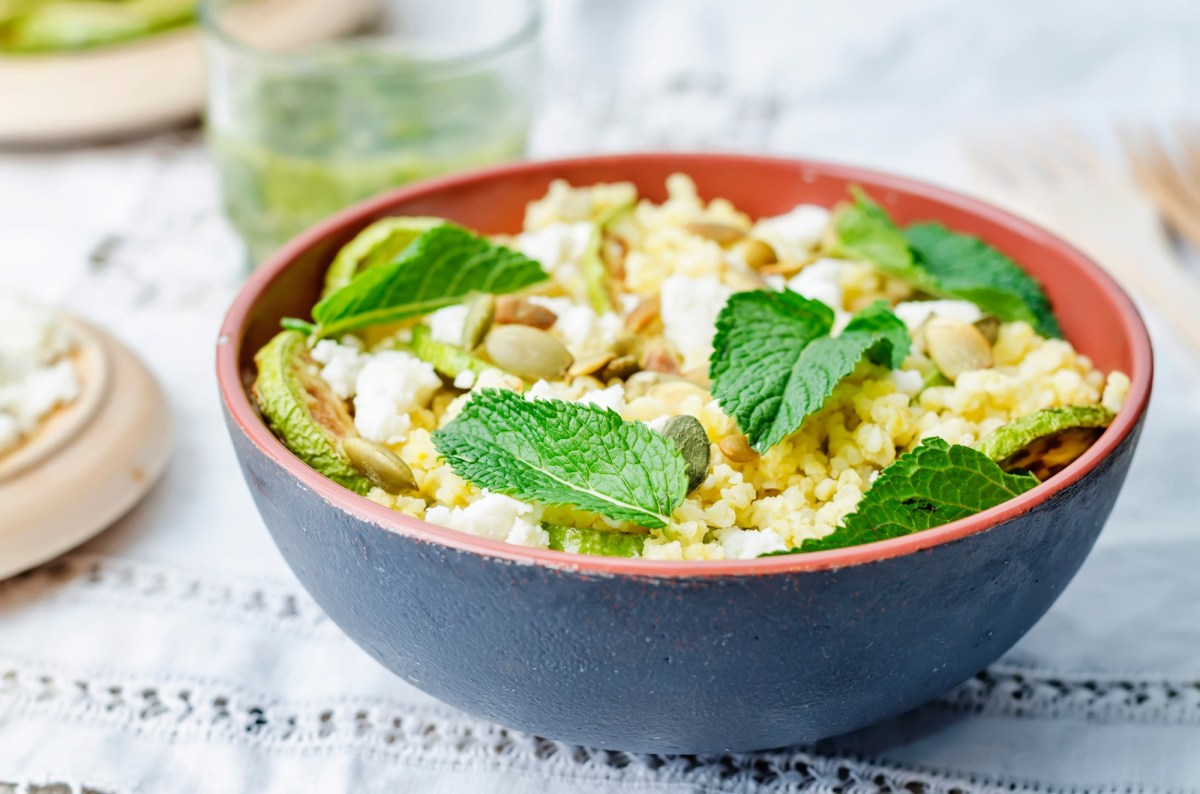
{"x": 556, "y": 246}
{"x": 793, "y": 235}
{"x": 915, "y": 313}
{"x": 464, "y": 380}
{"x": 35, "y": 375}
{"x": 613, "y": 398}
{"x": 391, "y": 384}
{"x": 446, "y": 325}
{"x": 820, "y": 281}
{"x": 582, "y": 330}
{"x": 496, "y": 379}
{"x": 689, "y": 308}
{"x": 907, "y": 381}
{"x": 342, "y": 364}
{"x": 496, "y": 517}
{"x": 746, "y": 544}
{"x": 540, "y": 390}
{"x": 658, "y": 423}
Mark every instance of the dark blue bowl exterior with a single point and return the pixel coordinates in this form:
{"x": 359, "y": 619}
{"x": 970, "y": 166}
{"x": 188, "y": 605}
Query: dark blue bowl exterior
{"x": 682, "y": 665}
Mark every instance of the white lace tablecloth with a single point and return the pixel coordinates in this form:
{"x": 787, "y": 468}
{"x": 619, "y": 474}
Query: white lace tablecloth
{"x": 176, "y": 652}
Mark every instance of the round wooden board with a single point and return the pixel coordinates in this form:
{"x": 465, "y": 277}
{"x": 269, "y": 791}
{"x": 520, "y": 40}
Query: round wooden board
{"x": 89, "y": 463}
{"x": 148, "y": 83}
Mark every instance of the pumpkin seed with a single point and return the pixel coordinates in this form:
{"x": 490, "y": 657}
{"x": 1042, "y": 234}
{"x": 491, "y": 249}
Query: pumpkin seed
{"x": 661, "y": 360}
{"x": 719, "y": 233}
{"x": 737, "y": 449}
{"x": 644, "y": 314}
{"x": 481, "y": 311}
{"x": 592, "y": 365}
{"x": 620, "y": 368}
{"x": 990, "y": 328}
{"x": 692, "y": 442}
{"x": 756, "y": 253}
{"x": 527, "y": 352}
{"x": 380, "y": 465}
{"x": 956, "y": 347}
{"x": 518, "y": 311}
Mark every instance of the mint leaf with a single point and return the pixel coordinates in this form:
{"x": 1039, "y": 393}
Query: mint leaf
{"x": 966, "y": 267}
{"x": 864, "y": 231}
{"x": 774, "y": 362}
{"x": 562, "y": 453}
{"x": 942, "y": 262}
{"x": 932, "y": 485}
{"x": 294, "y": 324}
{"x": 438, "y": 269}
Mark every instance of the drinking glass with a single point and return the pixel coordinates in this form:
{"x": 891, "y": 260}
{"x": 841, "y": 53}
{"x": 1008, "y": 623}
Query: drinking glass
{"x": 315, "y": 104}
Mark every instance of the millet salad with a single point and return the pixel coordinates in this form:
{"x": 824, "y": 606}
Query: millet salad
{"x": 679, "y": 381}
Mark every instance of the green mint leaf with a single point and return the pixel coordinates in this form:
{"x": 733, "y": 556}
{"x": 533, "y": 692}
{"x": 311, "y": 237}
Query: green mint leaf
{"x": 864, "y": 231}
{"x": 296, "y": 324}
{"x": 941, "y": 262}
{"x": 966, "y": 267}
{"x": 932, "y": 485}
{"x": 378, "y": 244}
{"x": 774, "y": 362}
{"x": 561, "y": 453}
{"x": 439, "y": 268}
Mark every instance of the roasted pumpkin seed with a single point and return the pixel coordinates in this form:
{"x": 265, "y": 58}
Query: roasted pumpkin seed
{"x": 736, "y": 448}
{"x": 660, "y": 360}
{"x": 757, "y": 253}
{"x": 592, "y": 365}
{"x": 511, "y": 310}
{"x": 527, "y": 352}
{"x": 719, "y": 233}
{"x": 481, "y": 311}
{"x": 620, "y": 368}
{"x": 956, "y": 347}
{"x": 380, "y": 465}
{"x": 692, "y": 442}
{"x": 644, "y": 314}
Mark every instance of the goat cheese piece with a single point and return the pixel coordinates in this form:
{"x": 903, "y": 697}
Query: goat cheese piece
{"x": 822, "y": 281}
{"x": 689, "y": 308}
{"x": 540, "y": 390}
{"x": 582, "y": 330}
{"x": 613, "y": 398}
{"x": 341, "y": 364}
{"x": 496, "y": 517}
{"x": 556, "y": 246}
{"x": 746, "y": 544}
{"x": 794, "y": 234}
{"x": 446, "y": 325}
{"x": 915, "y": 313}
{"x": 907, "y": 381}
{"x": 391, "y": 384}
{"x": 35, "y": 375}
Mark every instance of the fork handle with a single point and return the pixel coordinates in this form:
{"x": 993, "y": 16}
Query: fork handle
{"x": 1172, "y": 290}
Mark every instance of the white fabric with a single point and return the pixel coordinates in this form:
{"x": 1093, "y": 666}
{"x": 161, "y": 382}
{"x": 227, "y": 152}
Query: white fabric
{"x": 176, "y": 653}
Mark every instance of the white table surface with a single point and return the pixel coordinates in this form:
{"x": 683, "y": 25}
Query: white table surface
{"x": 176, "y": 652}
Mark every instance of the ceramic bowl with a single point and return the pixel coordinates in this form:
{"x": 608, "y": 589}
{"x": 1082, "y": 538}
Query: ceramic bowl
{"x": 685, "y": 657}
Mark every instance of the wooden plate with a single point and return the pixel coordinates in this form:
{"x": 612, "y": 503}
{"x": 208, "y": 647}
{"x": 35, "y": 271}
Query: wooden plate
{"x": 151, "y": 82}
{"x": 88, "y": 463}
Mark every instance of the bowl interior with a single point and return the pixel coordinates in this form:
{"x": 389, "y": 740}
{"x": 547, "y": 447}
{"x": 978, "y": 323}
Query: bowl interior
{"x": 1096, "y": 316}
{"x": 494, "y": 202}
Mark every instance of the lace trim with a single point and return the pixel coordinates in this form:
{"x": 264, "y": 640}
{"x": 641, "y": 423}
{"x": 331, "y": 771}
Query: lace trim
{"x": 102, "y": 580}
{"x": 1007, "y": 689}
{"x": 190, "y": 711}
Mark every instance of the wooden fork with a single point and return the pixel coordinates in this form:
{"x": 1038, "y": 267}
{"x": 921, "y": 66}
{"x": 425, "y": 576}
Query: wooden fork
{"x": 1060, "y": 181}
{"x": 1172, "y": 180}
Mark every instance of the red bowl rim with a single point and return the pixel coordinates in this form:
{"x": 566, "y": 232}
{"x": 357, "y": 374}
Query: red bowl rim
{"x": 238, "y": 404}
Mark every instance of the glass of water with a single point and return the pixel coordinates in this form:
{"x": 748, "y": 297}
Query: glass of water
{"x": 315, "y": 104}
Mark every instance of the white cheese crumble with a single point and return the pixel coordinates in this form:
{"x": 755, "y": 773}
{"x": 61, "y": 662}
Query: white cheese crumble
{"x": 689, "y": 308}
{"x": 464, "y": 380}
{"x": 35, "y": 375}
{"x": 582, "y": 330}
{"x": 446, "y": 325}
{"x": 391, "y": 384}
{"x": 822, "y": 281}
{"x": 540, "y": 390}
{"x": 746, "y": 544}
{"x": 907, "y": 381}
{"x": 341, "y": 365}
{"x": 613, "y": 398}
{"x": 659, "y": 422}
{"x": 915, "y": 313}
{"x": 794, "y": 234}
{"x": 496, "y": 517}
{"x": 557, "y": 246}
